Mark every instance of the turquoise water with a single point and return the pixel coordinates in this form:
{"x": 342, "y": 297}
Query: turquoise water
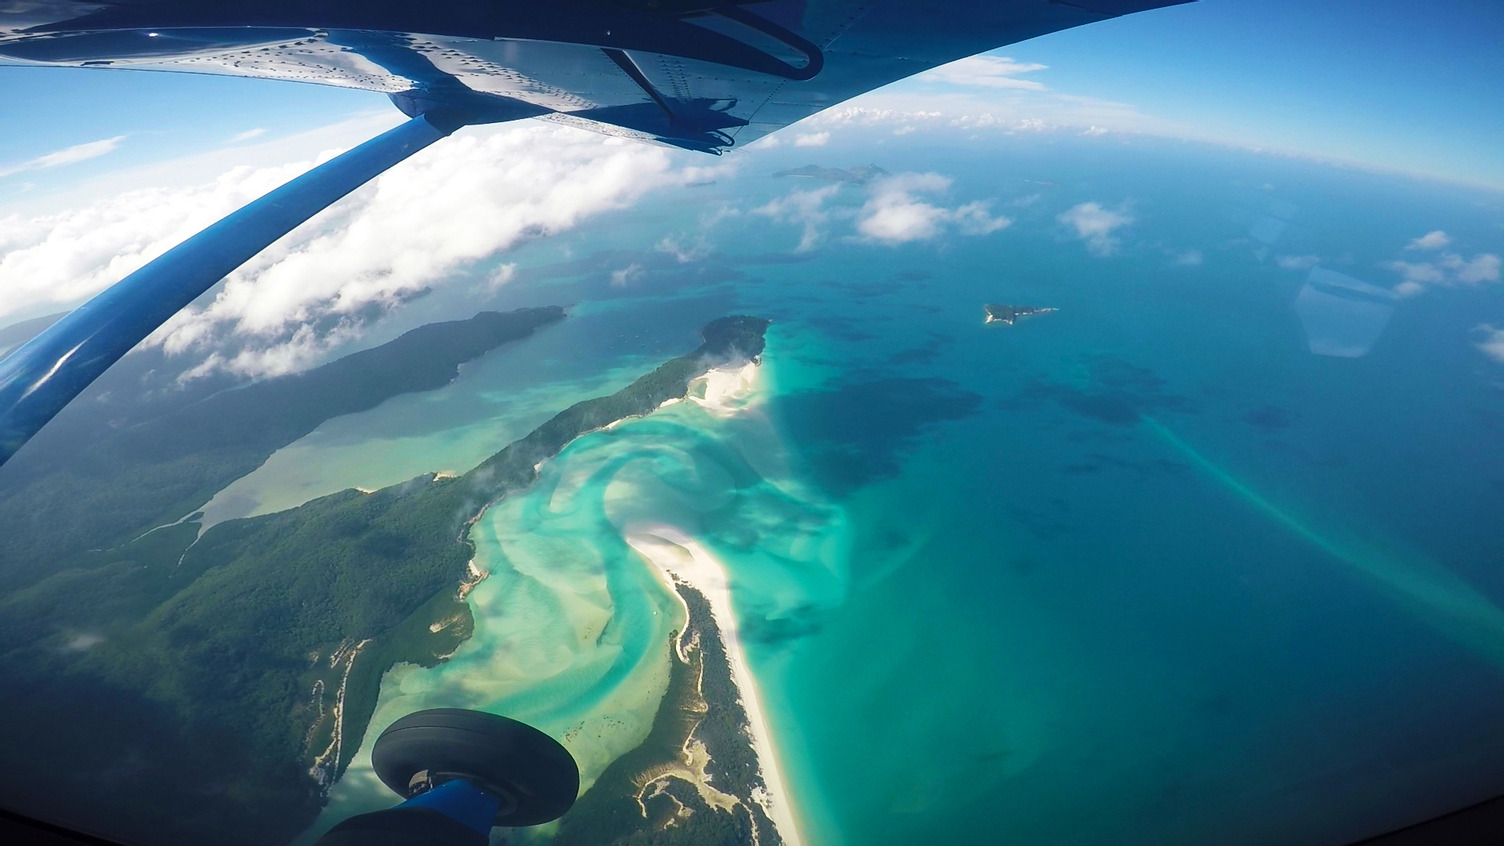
{"x": 1143, "y": 570}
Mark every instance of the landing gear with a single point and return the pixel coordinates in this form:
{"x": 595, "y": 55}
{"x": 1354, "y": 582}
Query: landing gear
{"x": 462, "y": 772}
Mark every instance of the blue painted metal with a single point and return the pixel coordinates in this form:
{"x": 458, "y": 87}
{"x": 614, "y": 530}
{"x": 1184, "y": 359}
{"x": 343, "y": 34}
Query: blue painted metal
{"x": 47, "y": 372}
{"x": 698, "y": 74}
{"x": 460, "y": 801}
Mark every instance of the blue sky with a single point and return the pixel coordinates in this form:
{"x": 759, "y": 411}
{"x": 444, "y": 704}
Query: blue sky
{"x": 1411, "y": 85}
{"x": 1398, "y": 85}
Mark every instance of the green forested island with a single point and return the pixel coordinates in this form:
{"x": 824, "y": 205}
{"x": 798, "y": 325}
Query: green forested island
{"x": 1010, "y": 314}
{"x": 208, "y": 667}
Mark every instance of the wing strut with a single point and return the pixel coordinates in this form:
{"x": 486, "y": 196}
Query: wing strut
{"x": 46, "y": 373}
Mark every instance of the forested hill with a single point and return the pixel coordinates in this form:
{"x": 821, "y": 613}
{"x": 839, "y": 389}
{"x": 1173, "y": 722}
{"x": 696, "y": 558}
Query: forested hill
{"x": 16, "y": 334}
{"x": 57, "y": 502}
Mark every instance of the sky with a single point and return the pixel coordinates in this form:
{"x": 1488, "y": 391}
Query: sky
{"x": 100, "y": 170}
{"x": 1388, "y": 83}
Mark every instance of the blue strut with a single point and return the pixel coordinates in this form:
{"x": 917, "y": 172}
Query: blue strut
{"x": 46, "y": 373}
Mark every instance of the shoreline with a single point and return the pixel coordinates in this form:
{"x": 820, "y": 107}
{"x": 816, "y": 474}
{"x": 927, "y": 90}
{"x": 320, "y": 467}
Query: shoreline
{"x": 666, "y": 548}
{"x": 727, "y": 342}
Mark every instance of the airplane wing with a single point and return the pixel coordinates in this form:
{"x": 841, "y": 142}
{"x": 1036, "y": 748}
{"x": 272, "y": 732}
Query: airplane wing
{"x": 699, "y": 74}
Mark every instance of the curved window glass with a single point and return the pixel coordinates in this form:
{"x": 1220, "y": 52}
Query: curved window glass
{"x": 986, "y": 459}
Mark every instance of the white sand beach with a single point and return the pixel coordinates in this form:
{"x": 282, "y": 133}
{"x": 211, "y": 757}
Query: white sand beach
{"x": 677, "y": 554}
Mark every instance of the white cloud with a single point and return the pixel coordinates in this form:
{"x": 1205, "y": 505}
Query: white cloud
{"x": 894, "y": 214}
{"x": 1447, "y": 270}
{"x": 1094, "y": 131}
{"x": 1480, "y": 268}
{"x": 1002, "y": 110}
{"x": 502, "y": 275}
{"x": 247, "y": 135}
{"x": 1433, "y": 240}
{"x": 976, "y": 218}
{"x": 1493, "y": 342}
{"x": 682, "y": 252}
{"x": 625, "y": 276}
{"x": 812, "y": 139}
{"x": 71, "y": 155}
{"x": 1189, "y": 258}
{"x": 863, "y": 116}
{"x": 805, "y": 208}
{"x": 1095, "y": 225}
{"x": 1422, "y": 273}
{"x": 895, "y": 211}
{"x": 724, "y": 211}
{"x": 1297, "y": 262}
{"x": 474, "y": 195}
{"x": 986, "y": 72}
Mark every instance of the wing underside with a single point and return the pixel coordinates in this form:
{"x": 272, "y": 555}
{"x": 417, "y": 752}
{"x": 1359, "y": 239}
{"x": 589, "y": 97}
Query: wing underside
{"x": 701, "y": 74}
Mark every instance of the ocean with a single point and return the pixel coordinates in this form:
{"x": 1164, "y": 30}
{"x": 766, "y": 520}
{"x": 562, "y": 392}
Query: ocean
{"x": 1141, "y": 570}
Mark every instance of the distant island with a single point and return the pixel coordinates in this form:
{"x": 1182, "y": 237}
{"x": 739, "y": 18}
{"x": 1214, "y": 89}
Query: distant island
{"x": 1010, "y": 314}
{"x": 854, "y": 176}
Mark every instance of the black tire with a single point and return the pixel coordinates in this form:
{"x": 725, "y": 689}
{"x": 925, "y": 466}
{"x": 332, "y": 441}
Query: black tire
{"x": 535, "y": 769}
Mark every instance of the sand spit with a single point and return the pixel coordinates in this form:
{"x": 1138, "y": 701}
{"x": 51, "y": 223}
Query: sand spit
{"x": 326, "y": 763}
{"x": 678, "y": 556}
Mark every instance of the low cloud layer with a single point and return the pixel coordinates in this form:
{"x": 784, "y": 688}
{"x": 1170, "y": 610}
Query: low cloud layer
{"x": 1096, "y": 226}
{"x": 470, "y": 197}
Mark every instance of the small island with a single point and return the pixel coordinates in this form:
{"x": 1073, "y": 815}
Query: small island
{"x": 854, "y": 176}
{"x": 1010, "y": 314}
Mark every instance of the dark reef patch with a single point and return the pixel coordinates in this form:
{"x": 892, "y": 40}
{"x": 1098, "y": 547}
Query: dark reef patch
{"x": 1048, "y": 521}
{"x": 1113, "y": 391}
{"x": 1269, "y": 417}
{"x": 842, "y": 328}
{"x": 856, "y": 432}
{"x": 1097, "y": 462}
{"x": 925, "y": 353}
{"x": 869, "y": 287}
